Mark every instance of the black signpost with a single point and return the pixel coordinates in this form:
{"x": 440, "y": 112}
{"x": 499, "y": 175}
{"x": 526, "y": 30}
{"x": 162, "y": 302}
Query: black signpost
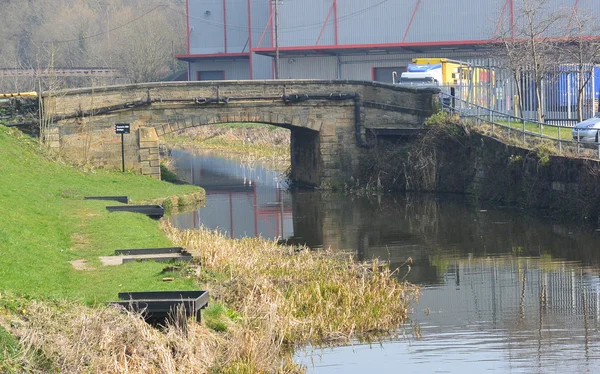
{"x": 122, "y": 128}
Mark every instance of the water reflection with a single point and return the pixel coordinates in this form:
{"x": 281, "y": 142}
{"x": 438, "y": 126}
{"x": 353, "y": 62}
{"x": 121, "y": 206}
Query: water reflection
{"x": 502, "y": 290}
{"x": 241, "y": 200}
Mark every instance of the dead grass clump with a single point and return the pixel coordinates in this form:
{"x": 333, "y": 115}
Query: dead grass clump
{"x": 282, "y": 297}
{"x": 71, "y": 338}
{"x": 307, "y": 296}
{"x": 67, "y": 337}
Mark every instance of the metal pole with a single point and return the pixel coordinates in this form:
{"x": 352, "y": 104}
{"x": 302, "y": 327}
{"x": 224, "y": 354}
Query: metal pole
{"x": 276, "y": 39}
{"x": 122, "y": 153}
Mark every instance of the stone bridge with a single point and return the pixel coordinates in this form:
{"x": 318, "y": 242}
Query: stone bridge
{"x": 331, "y": 122}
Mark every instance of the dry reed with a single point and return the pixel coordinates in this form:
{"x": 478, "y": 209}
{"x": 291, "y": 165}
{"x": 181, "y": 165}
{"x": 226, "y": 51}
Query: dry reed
{"x": 284, "y": 296}
{"x": 316, "y": 297}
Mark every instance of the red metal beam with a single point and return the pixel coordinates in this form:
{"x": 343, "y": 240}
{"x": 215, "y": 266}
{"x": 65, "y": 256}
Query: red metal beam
{"x": 265, "y": 31}
{"x": 411, "y": 20}
{"x": 211, "y": 55}
{"x": 512, "y": 19}
{"x": 225, "y": 24}
{"x": 495, "y": 34}
{"x": 271, "y": 11}
{"x": 324, "y": 24}
{"x": 335, "y": 22}
{"x": 250, "y": 37}
{"x": 187, "y": 23}
{"x": 379, "y": 46}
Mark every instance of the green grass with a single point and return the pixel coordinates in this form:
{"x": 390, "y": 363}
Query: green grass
{"x": 8, "y": 346}
{"x": 551, "y": 131}
{"x": 46, "y": 223}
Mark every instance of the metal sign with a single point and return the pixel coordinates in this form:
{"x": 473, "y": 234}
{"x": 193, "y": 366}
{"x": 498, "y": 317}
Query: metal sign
{"x": 122, "y": 128}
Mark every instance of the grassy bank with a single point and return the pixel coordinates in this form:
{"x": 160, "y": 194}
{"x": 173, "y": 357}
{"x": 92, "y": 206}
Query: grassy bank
{"x": 266, "y": 299}
{"x": 249, "y": 142}
{"x": 46, "y": 224}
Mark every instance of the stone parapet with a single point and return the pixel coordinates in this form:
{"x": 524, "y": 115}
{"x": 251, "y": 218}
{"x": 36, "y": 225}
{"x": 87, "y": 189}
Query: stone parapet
{"x": 328, "y": 119}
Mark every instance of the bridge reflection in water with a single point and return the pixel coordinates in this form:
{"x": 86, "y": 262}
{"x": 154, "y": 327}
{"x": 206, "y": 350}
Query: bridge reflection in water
{"x": 501, "y": 290}
{"x": 241, "y": 200}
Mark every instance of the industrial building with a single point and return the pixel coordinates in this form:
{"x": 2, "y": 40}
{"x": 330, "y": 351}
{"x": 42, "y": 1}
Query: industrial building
{"x": 346, "y": 39}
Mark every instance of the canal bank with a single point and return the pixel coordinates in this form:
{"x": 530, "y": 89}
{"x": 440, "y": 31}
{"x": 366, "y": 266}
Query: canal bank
{"x": 454, "y": 157}
{"x": 53, "y": 317}
{"x": 499, "y": 289}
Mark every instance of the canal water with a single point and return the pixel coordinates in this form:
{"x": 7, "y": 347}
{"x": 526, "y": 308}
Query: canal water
{"x": 502, "y": 290}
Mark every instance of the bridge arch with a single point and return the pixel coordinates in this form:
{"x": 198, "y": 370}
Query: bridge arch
{"x": 328, "y": 119}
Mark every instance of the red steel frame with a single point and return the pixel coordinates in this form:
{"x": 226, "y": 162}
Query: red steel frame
{"x": 411, "y": 20}
{"x": 271, "y": 12}
{"x": 250, "y": 49}
{"x": 325, "y": 24}
{"x": 213, "y": 55}
{"x": 337, "y": 46}
{"x": 512, "y": 18}
{"x": 335, "y": 23}
{"x": 376, "y": 46}
{"x": 225, "y": 24}
{"x": 187, "y": 24}
{"x": 500, "y": 19}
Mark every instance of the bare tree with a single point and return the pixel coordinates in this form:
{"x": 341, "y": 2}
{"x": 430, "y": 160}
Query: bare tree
{"x": 528, "y": 46}
{"x": 138, "y": 37}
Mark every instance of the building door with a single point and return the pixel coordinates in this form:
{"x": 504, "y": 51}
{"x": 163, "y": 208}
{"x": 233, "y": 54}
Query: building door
{"x": 210, "y": 75}
{"x": 385, "y": 74}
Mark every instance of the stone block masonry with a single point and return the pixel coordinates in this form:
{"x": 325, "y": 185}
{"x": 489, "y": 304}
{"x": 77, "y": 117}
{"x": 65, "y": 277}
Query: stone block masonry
{"x": 328, "y": 119}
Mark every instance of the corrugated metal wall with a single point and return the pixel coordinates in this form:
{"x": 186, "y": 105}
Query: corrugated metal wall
{"x": 237, "y": 26}
{"x": 359, "y": 67}
{"x": 262, "y": 67}
{"x": 303, "y": 23}
{"x": 376, "y": 22}
{"x": 308, "y": 68}
{"x": 261, "y": 27}
{"x": 300, "y": 22}
{"x": 206, "y": 26}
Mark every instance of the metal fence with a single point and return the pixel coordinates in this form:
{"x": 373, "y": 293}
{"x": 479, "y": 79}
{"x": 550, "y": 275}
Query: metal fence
{"x": 529, "y": 132}
{"x": 497, "y": 88}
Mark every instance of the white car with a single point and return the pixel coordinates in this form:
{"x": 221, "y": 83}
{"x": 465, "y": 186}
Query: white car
{"x": 587, "y": 131}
